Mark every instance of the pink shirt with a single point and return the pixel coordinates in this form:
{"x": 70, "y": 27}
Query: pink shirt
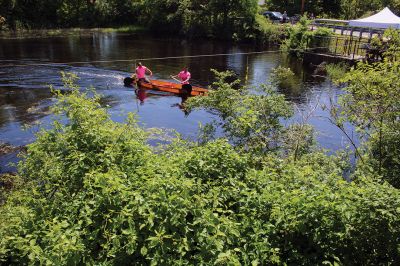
{"x": 140, "y": 72}
{"x": 184, "y": 76}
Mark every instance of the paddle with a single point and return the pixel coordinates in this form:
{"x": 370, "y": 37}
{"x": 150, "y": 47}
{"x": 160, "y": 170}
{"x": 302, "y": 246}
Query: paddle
{"x": 176, "y": 79}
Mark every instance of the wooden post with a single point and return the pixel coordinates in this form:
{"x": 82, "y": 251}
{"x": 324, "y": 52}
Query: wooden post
{"x": 302, "y": 6}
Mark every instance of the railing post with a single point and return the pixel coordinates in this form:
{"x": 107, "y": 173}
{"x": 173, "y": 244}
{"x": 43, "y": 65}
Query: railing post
{"x": 354, "y": 50}
{"x": 337, "y": 39}
{"x": 350, "y": 46}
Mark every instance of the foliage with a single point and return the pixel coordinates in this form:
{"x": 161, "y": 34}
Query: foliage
{"x": 97, "y": 193}
{"x": 219, "y": 19}
{"x": 267, "y": 32}
{"x": 298, "y": 140}
{"x": 283, "y": 78}
{"x": 69, "y": 13}
{"x": 336, "y": 71}
{"x": 347, "y": 9}
{"x": 251, "y": 121}
{"x": 300, "y": 38}
{"x": 371, "y": 104}
{"x": 8, "y": 184}
{"x": 233, "y": 19}
{"x": 317, "y": 7}
{"x": 392, "y": 44}
{"x": 355, "y": 9}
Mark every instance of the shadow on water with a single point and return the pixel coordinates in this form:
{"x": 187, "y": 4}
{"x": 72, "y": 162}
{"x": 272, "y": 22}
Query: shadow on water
{"x": 102, "y": 60}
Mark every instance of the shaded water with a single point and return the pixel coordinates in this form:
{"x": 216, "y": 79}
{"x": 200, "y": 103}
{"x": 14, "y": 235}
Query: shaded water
{"x": 25, "y": 96}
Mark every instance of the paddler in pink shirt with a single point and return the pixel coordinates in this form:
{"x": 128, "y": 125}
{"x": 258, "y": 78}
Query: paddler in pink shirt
{"x": 141, "y": 73}
{"x": 184, "y": 77}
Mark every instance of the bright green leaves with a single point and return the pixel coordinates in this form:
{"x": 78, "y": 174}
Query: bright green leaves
{"x": 372, "y": 105}
{"x": 216, "y": 162}
{"x": 300, "y": 38}
{"x": 283, "y": 78}
{"x": 90, "y": 143}
{"x": 216, "y": 18}
{"x": 97, "y": 193}
{"x": 252, "y": 122}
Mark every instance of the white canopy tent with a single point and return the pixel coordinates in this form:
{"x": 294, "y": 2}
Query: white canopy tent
{"x": 382, "y": 20}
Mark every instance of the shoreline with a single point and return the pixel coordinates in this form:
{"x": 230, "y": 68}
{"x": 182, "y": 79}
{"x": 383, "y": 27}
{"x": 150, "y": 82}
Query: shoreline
{"x": 63, "y": 32}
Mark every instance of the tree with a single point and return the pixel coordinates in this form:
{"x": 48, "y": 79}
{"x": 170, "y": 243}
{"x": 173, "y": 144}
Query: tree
{"x": 372, "y": 105}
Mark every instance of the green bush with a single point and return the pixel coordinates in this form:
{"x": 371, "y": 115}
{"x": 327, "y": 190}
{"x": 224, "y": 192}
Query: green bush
{"x": 250, "y": 121}
{"x": 267, "y": 32}
{"x": 283, "y": 78}
{"x": 97, "y": 193}
{"x": 371, "y": 104}
{"x": 300, "y": 38}
{"x": 336, "y": 71}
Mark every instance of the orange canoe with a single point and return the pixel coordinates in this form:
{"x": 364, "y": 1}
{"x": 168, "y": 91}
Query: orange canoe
{"x": 170, "y": 87}
{"x": 166, "y": 86}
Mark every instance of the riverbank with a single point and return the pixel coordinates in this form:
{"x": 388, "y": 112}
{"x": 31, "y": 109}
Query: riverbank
{"x": 262, "y": 32}
{"x": 63, "y": 32}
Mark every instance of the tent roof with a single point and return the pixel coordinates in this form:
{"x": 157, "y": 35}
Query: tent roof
{"x": 384, "y": 19}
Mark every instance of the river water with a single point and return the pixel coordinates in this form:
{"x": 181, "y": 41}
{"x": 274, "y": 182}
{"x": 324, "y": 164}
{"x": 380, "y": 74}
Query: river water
{"x": 29, "y": 65}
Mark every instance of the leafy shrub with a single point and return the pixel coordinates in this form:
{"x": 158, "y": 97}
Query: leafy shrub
{"x": 8, "y": 183}
{"x": 97, "y": 193}
{"x": 283, "y": 78}
{"x": 300, "y": 38}
{"x": 336, "y": 71}
{"x": 267, "y": 32}
{"x": 371, "y": 104}
{"x": 250, "y": 121}
{"x": 215, "y": 162}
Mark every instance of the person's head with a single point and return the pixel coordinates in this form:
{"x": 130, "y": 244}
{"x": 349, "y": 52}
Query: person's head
{"x": 139, "y": 64}
{"x": 185, "y": 68}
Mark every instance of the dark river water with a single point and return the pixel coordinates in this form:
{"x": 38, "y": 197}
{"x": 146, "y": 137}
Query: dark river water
{"x": 29, "y": 65}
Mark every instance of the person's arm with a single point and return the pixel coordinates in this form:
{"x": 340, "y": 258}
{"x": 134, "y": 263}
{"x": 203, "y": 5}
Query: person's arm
{"x": 187, "y": 79}
{"x": 149, "y": 71}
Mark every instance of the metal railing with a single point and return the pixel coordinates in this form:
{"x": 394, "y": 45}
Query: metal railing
{"x": 360, "y": 32}
{"x": 349, "y": 47}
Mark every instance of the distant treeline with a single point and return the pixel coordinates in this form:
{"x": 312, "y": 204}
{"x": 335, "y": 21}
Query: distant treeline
{"x": 346, "y": 9}
{"x": 216, "y": 18}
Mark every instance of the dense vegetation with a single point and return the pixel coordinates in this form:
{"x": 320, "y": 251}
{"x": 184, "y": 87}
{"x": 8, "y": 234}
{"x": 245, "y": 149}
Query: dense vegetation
{"x": 299, "y": 38}
{"x": 347, "y": 9}
{"x": 233, "y": 19}
{"x": 371, "y": 104}
{"x": 93, "y": 191}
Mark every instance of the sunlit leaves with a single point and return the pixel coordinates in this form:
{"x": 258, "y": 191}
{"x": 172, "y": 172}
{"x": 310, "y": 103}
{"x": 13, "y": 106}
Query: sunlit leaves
{"x": 97, "y": 193}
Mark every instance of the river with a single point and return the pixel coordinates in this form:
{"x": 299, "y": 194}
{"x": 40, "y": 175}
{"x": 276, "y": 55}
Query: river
{"x": 29, "y": 65}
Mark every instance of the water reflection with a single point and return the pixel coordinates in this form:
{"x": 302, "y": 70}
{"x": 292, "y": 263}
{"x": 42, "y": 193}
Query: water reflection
{"x": 141, "y": 95}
